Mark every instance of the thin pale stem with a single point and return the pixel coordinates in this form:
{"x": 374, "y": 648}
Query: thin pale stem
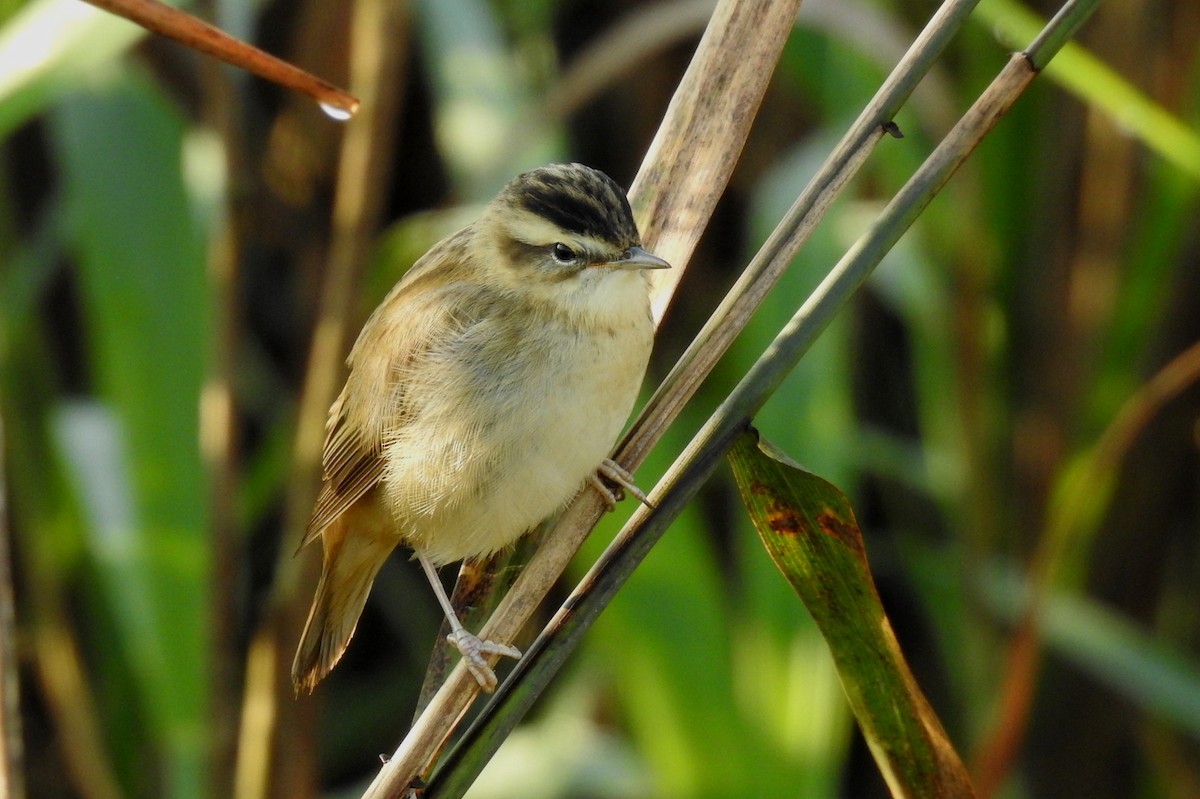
{"x": 181, "y": 26}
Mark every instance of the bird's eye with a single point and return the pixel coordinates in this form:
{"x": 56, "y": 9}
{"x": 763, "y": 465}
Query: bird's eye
{"x": 563, "y": 254}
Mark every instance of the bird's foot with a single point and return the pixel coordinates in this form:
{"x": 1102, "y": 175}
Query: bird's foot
{"x": 619, "y": 475}
{"x": 474, "y": 653}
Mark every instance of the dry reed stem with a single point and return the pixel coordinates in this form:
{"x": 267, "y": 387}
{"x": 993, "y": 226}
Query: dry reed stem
{"x": 272, "y": 729}
{"x": 682, "y": 177}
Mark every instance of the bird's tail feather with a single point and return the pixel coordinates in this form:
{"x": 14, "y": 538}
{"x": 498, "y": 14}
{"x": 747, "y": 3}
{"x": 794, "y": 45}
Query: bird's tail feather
{"x": 348, "y": 569}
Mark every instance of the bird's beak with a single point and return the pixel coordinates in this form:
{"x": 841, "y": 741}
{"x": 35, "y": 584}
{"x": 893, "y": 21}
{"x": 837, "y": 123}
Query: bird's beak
{"x": 637, "y": 258}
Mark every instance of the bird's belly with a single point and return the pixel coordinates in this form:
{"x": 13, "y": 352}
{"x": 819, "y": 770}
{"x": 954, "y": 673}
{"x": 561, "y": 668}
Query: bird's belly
{"x": 472, "y": 484}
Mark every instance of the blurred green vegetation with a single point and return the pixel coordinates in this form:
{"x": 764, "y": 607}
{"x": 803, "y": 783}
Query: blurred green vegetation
{"x": 962, "y": 402}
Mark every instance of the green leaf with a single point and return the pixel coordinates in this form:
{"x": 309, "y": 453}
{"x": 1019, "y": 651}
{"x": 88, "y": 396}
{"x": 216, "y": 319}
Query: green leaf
{"x": 140, "y": 254}
{"x": 809, "y": 529}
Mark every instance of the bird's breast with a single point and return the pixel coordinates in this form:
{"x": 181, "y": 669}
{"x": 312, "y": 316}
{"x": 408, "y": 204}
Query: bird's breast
{"x": 509, "y": 421}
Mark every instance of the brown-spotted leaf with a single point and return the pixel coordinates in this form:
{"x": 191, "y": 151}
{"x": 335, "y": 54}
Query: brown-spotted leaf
{"x": 809, "y": 529}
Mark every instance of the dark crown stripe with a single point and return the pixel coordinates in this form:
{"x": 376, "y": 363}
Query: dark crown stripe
{"x": 578, "y": 199}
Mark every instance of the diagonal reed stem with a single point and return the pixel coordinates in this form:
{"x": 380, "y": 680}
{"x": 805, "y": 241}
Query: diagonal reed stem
{"x": 689, "y": 472}
{"x": 665, "y": 212}
{"x": 682, "y": 178}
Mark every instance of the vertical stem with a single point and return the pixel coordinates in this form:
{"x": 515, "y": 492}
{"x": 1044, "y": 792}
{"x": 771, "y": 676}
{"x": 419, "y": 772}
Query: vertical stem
{"x": 218, "y": 430}
{"x": 270, "y": 736}
{"x": 12, "y": 776}
{"x": 689, "y": 162}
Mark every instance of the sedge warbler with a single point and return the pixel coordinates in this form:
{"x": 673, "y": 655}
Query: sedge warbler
{"x": 483, "y": 393}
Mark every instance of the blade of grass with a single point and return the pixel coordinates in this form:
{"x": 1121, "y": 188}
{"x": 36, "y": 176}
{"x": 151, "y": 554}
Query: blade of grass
{"x": 1163, "y": 681}
{"x": 1081, "y": 499}
{"x": 1098, "y": 85}
{"x": 749, "y": 292}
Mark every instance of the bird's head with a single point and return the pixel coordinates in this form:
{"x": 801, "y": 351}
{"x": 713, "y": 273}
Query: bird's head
{"x": 566, "y": 222}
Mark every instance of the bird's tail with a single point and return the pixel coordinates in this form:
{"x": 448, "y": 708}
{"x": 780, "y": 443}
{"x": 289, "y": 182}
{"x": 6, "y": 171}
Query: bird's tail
{"x": 348, "y": 568}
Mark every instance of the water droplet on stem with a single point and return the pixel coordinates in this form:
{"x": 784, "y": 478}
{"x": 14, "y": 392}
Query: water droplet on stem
{"x": 336, "y": 112}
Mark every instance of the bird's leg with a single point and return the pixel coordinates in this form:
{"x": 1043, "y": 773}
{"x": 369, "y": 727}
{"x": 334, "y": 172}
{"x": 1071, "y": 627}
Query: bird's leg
{"x": 618, "y": 474}
{"x": 474, "y": 650}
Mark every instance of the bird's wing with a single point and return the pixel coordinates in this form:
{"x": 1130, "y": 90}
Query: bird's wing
{"x": 352, "y": 464}
{"x": 409, "y": 322}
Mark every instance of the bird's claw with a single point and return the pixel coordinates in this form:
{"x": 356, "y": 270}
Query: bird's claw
{"x": 623, "y": 479}
{"x": 474, "y": 652}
